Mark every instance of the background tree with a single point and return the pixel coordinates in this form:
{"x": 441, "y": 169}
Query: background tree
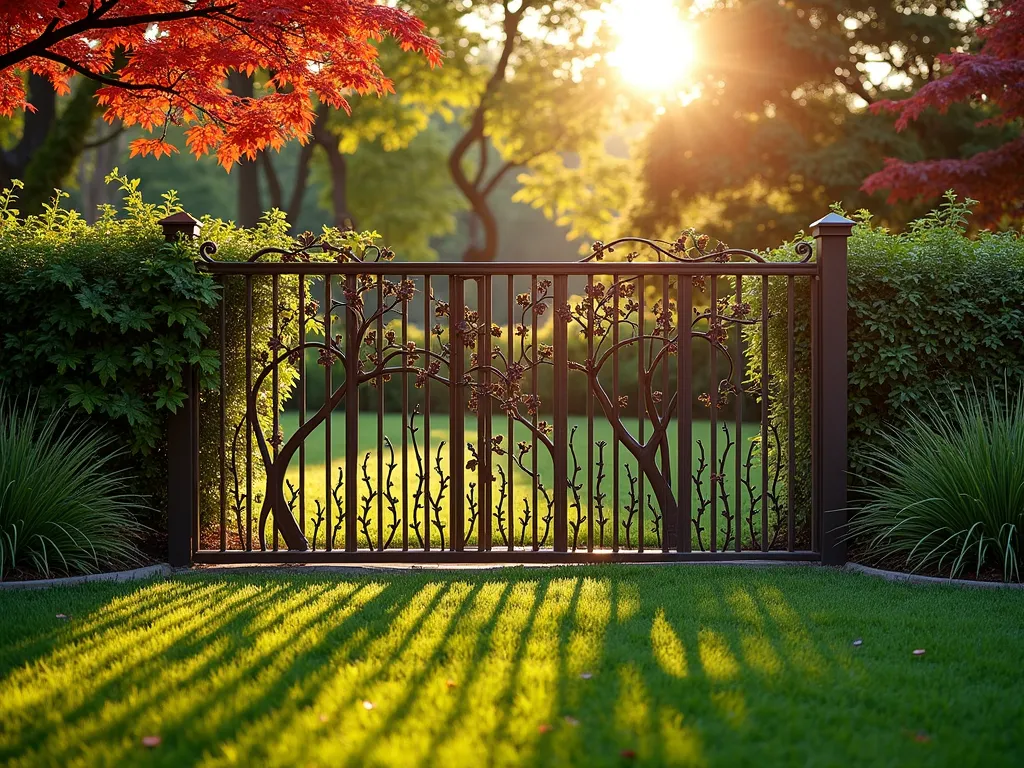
{"x": 50, "y": 141}
{"x": 405, "y": 194}
{"x": 154, "y": 63}
{"x": 386, "y": 124}
{"x": 544, "y": 90}
{"x": 779, "y": 125}
{"x": 993, "y": 79}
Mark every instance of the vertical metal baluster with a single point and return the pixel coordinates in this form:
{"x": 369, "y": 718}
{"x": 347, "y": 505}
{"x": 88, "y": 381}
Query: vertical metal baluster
{"x": 790, "y": 440}
{"x": 328, "y": 370}
{"x": 352, "y": 331}
{"x": 405, "y": 421}
{"x": 302, "y": 402}
{"x": 248, "y": 426}
{"x": 590, "y": 414}
{"x": 615, "y": 407}
{"x": 534, "y": 392}
{"x": 428, "y": 344}
{"x": 561, "y": 413}
{"x": 223, "y": 416}
{"x": 278, "y": 475}
{"x": 764, "y": 413}
{"x": 511, "y": 445}
{"x": 740, "y": 368}
{"x": 666, "y": 467}
{"x": 380, "y": 415}
{"x": 484, "y": 417}
{"x": 641, "y": 403}
{"x": 684, "y": 377}
{"x": 713, "y": 394}
{"x": 457, "y": 415}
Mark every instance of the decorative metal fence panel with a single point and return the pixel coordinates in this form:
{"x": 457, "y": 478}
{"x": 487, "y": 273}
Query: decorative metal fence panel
{"x": 615, "y": 408}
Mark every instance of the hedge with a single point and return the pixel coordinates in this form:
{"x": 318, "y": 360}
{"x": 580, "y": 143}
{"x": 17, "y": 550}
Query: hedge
{"x": 104, "y": 317}
{"x": 932, "y": 311}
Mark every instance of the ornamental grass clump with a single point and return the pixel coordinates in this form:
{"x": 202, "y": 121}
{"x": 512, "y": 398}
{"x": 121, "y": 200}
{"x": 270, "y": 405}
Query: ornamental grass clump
{"x": 949, "y": 493}
{"x": 65, "y": 507}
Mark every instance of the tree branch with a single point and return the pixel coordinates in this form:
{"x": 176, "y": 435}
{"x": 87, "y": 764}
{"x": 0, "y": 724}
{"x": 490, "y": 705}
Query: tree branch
{"x": 477, "y": 132}
{"x": 85, "y": 72}
{"x": 498, "y": 176}
{"x": 105, "y": 140}
{"x": 93, "y": 21}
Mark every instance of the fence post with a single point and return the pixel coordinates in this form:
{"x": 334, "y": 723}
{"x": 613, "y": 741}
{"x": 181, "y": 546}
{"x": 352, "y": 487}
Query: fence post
{"x": 829, "y": 406}
{"x": 183, "y": 441}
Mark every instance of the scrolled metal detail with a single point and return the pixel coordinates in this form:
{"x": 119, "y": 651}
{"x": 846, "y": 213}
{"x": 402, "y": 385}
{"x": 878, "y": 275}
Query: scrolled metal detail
{"x": 689, "y": 248}
{"x": 307, "y": 247}
{"x": 207, "y": 250}
{"x": 616, "y": 314}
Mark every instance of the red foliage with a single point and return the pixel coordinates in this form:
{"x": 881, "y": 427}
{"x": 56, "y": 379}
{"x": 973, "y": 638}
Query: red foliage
{"x": 179, "y": 52}
{"x": 996, "y": 72}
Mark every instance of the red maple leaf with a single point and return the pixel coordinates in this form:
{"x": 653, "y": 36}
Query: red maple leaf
{"x": 994, "y": 73}
{"x": 165, "y": 62}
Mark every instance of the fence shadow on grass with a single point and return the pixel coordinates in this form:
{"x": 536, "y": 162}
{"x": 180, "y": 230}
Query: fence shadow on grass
{"x": 560, "y": 667}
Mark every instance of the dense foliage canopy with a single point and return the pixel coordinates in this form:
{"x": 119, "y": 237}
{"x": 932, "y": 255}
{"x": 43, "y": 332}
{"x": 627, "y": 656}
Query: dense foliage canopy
{"x": 164, "y": 62}
{"x": 994, "y": 78}
{"x": 760, "y": 146}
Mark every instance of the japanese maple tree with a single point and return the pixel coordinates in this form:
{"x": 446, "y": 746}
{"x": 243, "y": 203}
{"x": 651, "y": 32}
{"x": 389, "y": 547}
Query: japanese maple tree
{"x": 165, "y": 62}
{"x": 994, "y": 78}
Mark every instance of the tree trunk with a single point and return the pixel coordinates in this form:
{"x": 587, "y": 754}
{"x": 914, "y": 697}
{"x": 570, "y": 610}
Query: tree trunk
{"x": 483, "y": 215}
{"x": 338, "y": 164}
{"x": 94, "y": 166}
{"x": 51, "y": 144}
{"x": 38, "y": 122}
{"x": 250, "y": 206}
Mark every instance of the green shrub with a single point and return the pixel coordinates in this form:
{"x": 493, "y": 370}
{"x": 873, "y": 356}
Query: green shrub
{"x": 950, "y": 490}
{"x": 65, "y": 507}
{"x": 104, "y": 317}
{"x": 931, "y": 312}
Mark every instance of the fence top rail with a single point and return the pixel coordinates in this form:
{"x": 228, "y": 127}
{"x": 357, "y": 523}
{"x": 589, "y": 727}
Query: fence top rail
{"x": 471, "y": 270}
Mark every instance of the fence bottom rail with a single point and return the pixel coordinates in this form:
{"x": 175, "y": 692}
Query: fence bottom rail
{"x": 524, "y": 557}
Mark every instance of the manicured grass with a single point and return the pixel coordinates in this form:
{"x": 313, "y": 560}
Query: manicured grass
{"x": 686, "y": 665}
{"x": 521, "y": 485}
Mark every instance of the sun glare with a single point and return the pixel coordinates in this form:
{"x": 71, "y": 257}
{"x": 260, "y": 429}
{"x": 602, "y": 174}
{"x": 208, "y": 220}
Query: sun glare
{"x": 655, "y": 52}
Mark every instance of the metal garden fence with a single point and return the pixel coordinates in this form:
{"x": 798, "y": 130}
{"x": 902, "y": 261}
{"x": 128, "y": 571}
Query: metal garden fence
{"x": 610, "y": 409}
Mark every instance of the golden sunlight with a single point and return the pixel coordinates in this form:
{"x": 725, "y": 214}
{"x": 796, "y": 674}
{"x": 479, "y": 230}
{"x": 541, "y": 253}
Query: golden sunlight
{"x": 656, "y": 49}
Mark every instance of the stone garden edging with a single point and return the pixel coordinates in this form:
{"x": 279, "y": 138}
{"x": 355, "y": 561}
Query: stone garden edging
{"x": 913, "y": 578}
{"x": 160, "y": 569}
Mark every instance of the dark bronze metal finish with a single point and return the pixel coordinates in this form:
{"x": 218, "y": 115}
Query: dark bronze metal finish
{"x": 642, "y": 351}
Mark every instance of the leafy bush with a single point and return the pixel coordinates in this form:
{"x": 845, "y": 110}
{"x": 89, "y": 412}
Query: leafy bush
{"x": 931, "y": 312}
{"x": 950, "y": 490}
{"x": 105, "y": 317}
{"x": 65, "y": 507}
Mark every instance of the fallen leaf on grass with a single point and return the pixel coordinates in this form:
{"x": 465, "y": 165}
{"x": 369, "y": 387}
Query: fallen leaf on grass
{"x": 151, "y": 741}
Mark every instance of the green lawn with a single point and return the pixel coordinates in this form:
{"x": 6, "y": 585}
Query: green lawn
{"x": 521, "y": 485}
{"x": 599, "y": 666}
